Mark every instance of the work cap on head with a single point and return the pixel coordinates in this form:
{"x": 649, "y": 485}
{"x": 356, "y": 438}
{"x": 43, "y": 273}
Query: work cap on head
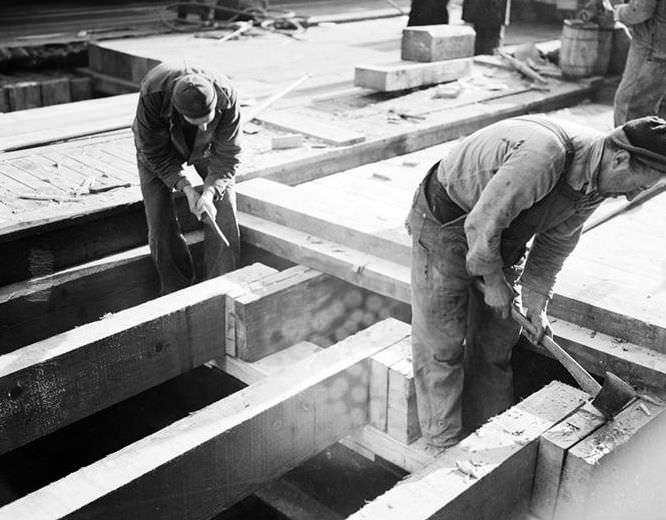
{"x": 194, "y": 96}
{"x": 645, "y": 139}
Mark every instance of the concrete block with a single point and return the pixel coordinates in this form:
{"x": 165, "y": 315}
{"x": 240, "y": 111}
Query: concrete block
{"x": 55, "y": 91}
{"x": 80, "y": 88}
{"x": 24, "y": 95}
{"x": 437, "y": 42}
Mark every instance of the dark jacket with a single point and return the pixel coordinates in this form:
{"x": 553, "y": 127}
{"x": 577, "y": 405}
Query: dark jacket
{"x": 484, "y": 13}
{"x": 158, "y": 129}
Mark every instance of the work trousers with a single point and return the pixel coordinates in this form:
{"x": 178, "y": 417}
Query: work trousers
{"x": 642, "y": 88}
{"x": 461, "y": 349}
{"x": 167, "y": 244}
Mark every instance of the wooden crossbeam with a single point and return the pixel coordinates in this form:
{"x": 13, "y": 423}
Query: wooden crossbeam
{"x": 59, "y": 380}
{"x": 489, "y": 474}
{"x": 209, "y": 460}
{"x": 361, "y": 269}
{"x": 51, "y": 304}
{"x": 284, "y": 309}
{"x": 617, "y": 471}
{"x": 330, "y": 134}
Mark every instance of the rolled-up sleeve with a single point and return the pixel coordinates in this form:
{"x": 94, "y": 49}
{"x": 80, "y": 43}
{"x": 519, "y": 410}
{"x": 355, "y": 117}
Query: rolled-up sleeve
{"x": 226, "y": 147}
{"x": 527, "y": 175}
{"x": 153, "y": 143}
{"x": 549, "y": 251}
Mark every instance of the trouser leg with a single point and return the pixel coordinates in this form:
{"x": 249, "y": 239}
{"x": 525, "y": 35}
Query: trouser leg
{"x": 641, "y": 90}
{"x": 488, "y": 39}
{"x": 167, "y": 245}
{"x": 218, "y": 257}
{"x": 488, "y": 345}
{"x": 439, "y": 309}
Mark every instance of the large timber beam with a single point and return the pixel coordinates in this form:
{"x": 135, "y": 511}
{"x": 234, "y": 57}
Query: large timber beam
{"x": 45, "y": 306}
{"x": 201, "y": 464}
{"x": 59, "y": 380}
{"x": 486, "y": 476}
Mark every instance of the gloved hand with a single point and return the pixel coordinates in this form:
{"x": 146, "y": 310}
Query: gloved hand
{"x": 498, "y": 294}
{"x": 534, "y": 305}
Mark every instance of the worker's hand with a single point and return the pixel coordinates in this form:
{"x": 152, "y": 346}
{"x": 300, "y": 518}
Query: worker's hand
{"x": 205, "y": 204}
{"x": 534, "y": 305}
{"x": 192, "y": 199}
{"x": 498, "y": 294}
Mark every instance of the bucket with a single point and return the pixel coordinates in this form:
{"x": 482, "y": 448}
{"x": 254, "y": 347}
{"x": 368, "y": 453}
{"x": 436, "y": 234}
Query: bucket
{"x": 586, "y": 49}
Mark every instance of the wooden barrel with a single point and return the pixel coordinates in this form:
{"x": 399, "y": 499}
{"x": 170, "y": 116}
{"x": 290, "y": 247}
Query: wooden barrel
{"x": 586, "y": 49}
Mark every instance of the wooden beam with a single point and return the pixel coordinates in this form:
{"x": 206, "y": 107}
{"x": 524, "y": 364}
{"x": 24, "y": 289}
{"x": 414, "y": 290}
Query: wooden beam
{"x": 553, "y": 447}
{"x": 284, "y": 205}
{"x": 617, "y": 471}
{"x": 325, "y": 132}
{"x": 51, "y": 304}
{"x": 406, "y": 74}
{"x": 59, "y": 380}
{"x": 293, "y": 503}
{"x": 351, "y": 265}
{"x": 291, "y": 306}
{"x": 437, "y": 42}
{"x": 486, "y": 476}
{"x": 206, "y": 462}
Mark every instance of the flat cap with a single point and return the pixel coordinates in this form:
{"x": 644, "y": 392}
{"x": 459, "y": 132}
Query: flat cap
{"x": 194, "y": 96}
{"x": 645, "y": 139}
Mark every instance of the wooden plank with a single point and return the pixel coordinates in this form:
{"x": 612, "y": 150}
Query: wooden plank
{"x": 402, "y": 421}
{"x": 437, "y": 42}
{"x": 361, "y": 269}
{"x": 599, "y": 353}
{"x": 286, "y": 206}
{"x": 403, "y": 75}
{"x": 59, "y": 380}
{"x": 486, "y": 476}
{"x": 553, "y": 447}
{"x": 330, "y": 134}
{"x": 285, "y": 308}
{"x": 207, "y": 461}
{"x": 80, "y": 88}
{"x": 617, "y": 472}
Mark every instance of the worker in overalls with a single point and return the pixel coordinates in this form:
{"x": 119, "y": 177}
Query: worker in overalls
{"x": 643, "y": 85}
{"x": 523, "y": 178}
{"x": 188, "y": 115}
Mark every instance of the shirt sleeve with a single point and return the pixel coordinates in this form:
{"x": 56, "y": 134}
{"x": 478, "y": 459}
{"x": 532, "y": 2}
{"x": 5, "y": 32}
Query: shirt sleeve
{"x": 635, "y": 11}
{"x": 226, "y": 148}
{"x": 153, "y": 142}
{"x": 525, "y": 177}
{"x": 549, "y": 251}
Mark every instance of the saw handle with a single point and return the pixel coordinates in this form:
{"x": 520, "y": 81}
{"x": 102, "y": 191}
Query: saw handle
{"x": 582, "y": 376}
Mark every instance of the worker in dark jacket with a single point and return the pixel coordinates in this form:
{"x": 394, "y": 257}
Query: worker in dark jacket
{"x": 188, "y": 115}
{"x": 524, "y": 178}
{"x": 488, "y": 18}
{"x": 643, "y": 86}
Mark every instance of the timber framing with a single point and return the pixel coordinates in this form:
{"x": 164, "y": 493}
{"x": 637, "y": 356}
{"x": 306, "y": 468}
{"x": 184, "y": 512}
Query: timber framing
{"x": 228, "y": 449}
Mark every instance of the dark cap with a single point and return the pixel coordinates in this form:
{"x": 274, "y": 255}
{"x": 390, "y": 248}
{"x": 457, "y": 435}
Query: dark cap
{"x": 645, "y": 139}
{"x": 194, "y": 96}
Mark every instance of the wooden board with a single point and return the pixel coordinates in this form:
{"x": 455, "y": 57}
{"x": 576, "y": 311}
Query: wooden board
{"x": 59, "y": 380}
{"x": 553, "y": 448}
{"x": 616, "y": 473}
{"x": 205, "y": 462}
{"x": 487, "y": 475}
{"x": 325, "y": 132}
{"x": 404, "y": 75}
{"x": 429, "y": 43}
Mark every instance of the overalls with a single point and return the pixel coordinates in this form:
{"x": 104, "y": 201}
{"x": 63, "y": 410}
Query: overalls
{"x": 461, "y": 348}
